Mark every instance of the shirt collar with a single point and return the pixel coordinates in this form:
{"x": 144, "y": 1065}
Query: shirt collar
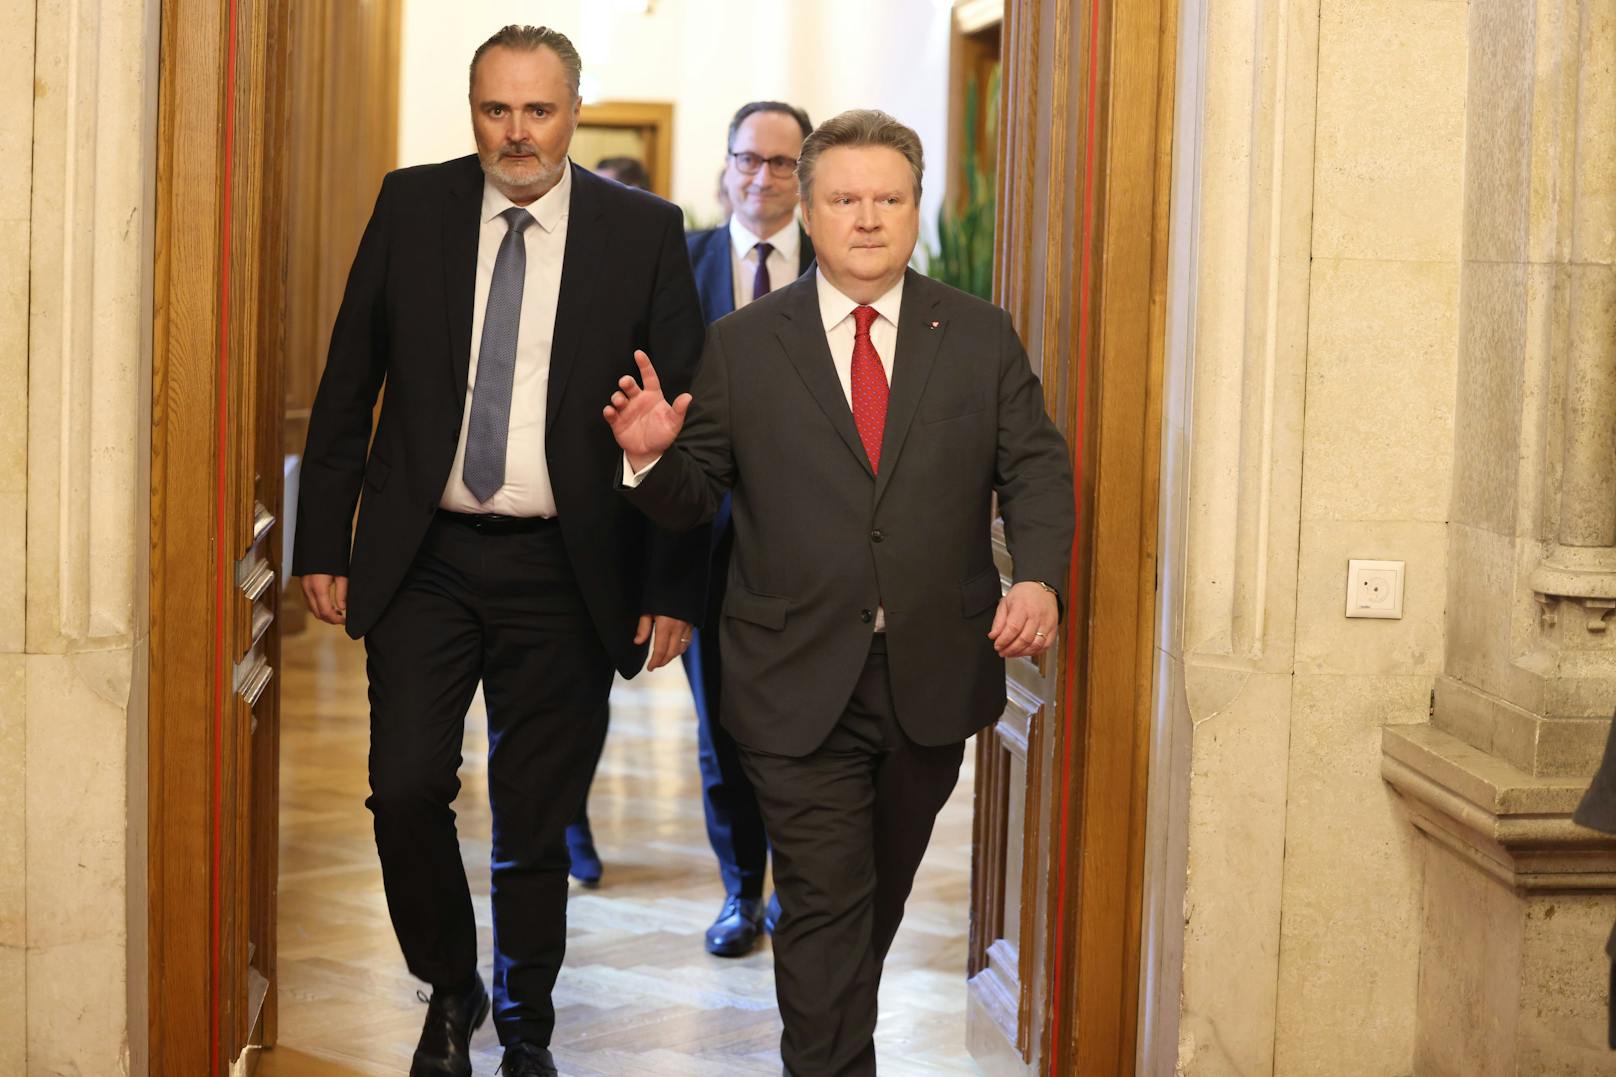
{"x": 548, "y": 212}
{"x": 787, "y": 241}
{"x": 834, "y": 307}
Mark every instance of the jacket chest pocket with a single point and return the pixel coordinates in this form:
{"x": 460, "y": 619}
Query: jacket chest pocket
{"x": 949, "y": 406}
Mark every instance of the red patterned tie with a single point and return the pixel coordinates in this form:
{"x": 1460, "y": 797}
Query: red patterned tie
{"x": 869, "y": 387}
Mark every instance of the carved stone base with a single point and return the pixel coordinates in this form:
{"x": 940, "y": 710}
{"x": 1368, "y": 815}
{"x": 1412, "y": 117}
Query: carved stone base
{"x": 1575, "y": 648}
{"x": 1518, "y": 903}
{"x": 1532, "y": 743}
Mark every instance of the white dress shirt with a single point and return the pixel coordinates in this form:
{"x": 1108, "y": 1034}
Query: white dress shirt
{"x": 527, "y": 490}
{"x": 743, "y": 257}
{"x": 836, "y": 311}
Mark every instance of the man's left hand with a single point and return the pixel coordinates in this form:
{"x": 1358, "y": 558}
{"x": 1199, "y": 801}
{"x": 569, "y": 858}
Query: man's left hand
{"x": 669, "y": 636}
{"x": 1025, "y": 622}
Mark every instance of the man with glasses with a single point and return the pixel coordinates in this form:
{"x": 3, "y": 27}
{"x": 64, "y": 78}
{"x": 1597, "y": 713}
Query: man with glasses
{"x": 760, "y": 248}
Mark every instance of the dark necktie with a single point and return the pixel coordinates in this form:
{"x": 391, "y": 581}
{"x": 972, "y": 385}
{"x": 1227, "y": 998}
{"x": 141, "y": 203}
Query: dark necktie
{"x": 484, "y": 467}
{"x": 760, "y": 280}
{"x": 869, "y": 387}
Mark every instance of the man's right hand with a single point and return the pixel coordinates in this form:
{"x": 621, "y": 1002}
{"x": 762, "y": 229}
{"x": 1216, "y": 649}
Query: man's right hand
{"x": 643, "y": 422}
{"x": 327, "y": 597}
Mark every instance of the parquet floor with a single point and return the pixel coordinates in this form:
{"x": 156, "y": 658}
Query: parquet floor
{"x": 638, "y": 994}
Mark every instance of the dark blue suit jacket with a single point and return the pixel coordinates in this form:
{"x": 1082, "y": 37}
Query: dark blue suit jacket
{"x": 715, "y": 274}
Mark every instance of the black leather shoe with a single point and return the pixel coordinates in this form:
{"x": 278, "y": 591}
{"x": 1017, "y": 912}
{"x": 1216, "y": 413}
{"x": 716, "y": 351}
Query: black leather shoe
{"x": 586, "y": 866}
{"x": 735, "y": 931}
{"x": 528, "y": 1060}
{"x": 445, "y": 1047}
{"x": 771, "y": 919}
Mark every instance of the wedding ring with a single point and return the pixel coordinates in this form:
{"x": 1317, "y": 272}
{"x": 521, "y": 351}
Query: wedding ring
{"x": 1037, "y": 635}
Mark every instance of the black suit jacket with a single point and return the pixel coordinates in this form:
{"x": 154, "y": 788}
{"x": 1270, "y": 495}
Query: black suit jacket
{"x": 715, "y": 270}
{"x": 405, "y": 321}
{"x": 821, "y": 540}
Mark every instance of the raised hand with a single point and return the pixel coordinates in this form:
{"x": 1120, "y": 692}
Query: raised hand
{"x": 643, "y": 422}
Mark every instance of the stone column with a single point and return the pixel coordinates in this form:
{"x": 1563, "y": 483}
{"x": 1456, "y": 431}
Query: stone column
{"x": 77, "y": 168}
{"x": 1576, "y": 583}
{"x": 1518, "y": 899}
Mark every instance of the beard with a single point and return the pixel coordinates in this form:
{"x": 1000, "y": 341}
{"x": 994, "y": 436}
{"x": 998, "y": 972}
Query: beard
{"x": 534, "y": 173}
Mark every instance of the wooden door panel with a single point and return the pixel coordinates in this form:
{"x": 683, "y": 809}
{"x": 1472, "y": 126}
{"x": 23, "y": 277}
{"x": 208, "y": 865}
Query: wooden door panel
{"x": 217, "y": 407}
{"x": 1081, "y": 265}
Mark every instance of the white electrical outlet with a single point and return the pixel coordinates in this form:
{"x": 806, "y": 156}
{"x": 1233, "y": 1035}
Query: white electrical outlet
{"x": 1375, "y": 589}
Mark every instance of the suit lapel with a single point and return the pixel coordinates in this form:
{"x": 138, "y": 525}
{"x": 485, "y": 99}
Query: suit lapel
{"x": 587, "y": 238}
{"x": 920, "y": 332}
{"x": 715, "y": 275}
{"x": 461, "y": 213}
{"x": 802, "y": 333}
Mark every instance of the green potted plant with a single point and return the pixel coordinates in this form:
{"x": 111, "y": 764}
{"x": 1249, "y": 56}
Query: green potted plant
{"x": 963, "y": 256}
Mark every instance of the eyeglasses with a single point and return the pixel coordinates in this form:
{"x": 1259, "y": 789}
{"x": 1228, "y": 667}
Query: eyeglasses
{"x": 749, "y": 163}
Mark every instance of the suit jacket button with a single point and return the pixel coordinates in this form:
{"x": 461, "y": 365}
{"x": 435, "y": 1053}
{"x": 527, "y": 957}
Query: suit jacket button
{"x": 876, "y": 536}
{"x": 866, "y": 616}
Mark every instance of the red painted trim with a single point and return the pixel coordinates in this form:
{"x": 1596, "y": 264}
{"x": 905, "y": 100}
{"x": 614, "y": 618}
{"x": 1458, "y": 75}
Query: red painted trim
{"x": 220, "y": 548}
{"x": 1069, "y": 705}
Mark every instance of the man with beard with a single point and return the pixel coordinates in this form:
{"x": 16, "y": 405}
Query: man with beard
{"x": 499, "y": 297}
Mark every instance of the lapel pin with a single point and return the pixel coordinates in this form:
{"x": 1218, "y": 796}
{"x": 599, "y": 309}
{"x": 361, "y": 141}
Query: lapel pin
{"x": 934, "y": 325}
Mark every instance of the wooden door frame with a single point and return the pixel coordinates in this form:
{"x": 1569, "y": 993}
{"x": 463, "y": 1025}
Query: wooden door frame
{"x": 653, "y": 121}
{"x": 215, "y": 286}
{"x": 1084, "y": 179}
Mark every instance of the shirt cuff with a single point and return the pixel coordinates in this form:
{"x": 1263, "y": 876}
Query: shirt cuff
{"x": 631, "y": 478}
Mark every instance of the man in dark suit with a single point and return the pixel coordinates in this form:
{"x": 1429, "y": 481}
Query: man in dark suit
{"x": 863, "y": 419}
{"x": 760, "y": 248}
{"x": 1597, "y": 811}
{"x": 497, "y": 296}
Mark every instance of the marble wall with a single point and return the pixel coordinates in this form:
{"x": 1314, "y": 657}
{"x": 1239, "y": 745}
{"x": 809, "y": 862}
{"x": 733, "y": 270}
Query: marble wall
{"x": 16, "y": 132}
{"x": 77, "y": 164}
{"x": 1313, "y": 344}
{"x": 1393, "y": 286}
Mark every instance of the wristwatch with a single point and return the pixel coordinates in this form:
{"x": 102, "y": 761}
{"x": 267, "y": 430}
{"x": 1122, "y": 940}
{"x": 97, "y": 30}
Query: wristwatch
{"x": 1046, "y": 587}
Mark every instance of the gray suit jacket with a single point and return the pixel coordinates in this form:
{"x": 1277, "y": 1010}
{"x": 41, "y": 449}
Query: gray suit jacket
{"x": 821, "y": 540}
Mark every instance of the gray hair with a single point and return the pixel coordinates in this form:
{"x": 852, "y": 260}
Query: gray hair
{"x": 859, "y": 127}
{"x": 531, "y": 39}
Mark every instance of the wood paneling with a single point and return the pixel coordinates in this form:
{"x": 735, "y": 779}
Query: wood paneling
{"x": 185, "y": 613}
{"x": 341, "y": 138}
{"x": 222, "y": 294}
{"x": 1083, "y": 181}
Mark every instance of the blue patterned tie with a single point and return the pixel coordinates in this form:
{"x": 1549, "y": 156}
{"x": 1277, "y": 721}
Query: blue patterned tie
{"x": 484, "y": 467}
